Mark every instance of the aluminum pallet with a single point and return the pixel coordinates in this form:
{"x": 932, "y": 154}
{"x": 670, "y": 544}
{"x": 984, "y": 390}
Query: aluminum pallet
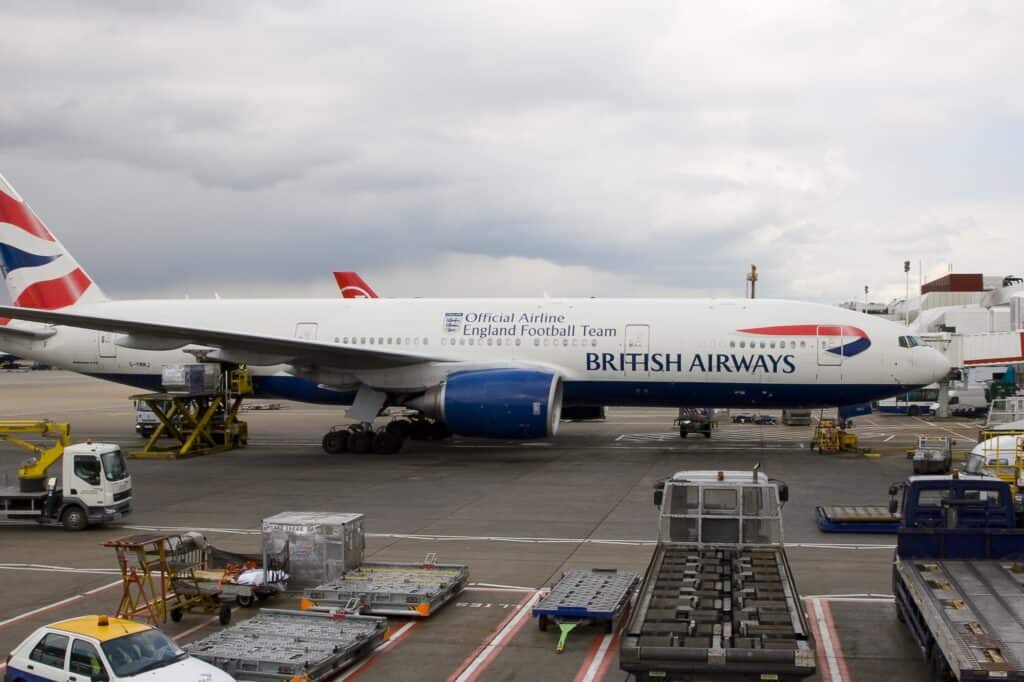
{"x": 392, "y": 589}
{"x": 856, "y": 519}
{"x": 598, "y": 595}
{"x": 280, "y": 645}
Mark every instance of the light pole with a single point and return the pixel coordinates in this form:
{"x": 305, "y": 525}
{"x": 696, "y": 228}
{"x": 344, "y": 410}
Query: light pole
{"x": 906, "y": 297}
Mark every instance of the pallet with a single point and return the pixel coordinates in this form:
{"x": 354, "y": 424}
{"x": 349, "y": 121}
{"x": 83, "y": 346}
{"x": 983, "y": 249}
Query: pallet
{"x": 856, "y": 519}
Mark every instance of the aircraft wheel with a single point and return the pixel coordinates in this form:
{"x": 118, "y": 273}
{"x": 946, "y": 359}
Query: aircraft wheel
{"x": 439, "y": 431}
{"x": 400, "y": 427}
{"x": 387, "y": 442}
{"x": 419, "y": 429}
{"x": 335, "y": 442}
{"x": 682, "y": 432}
{"x": 360, "y": 441}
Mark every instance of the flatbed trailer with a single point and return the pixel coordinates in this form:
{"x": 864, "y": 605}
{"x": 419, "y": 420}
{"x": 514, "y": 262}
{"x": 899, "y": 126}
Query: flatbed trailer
{"x": 392, "y": 589}
{"x": 851, "y": 518}
{"x": 958, "y": 579}
{"x": 718, "y": 600}
{"x": 279, "y": 645}
{"x": 594, "y": 596}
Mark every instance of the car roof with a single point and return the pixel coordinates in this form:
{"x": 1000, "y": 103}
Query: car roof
{"x": 89, "y": 626}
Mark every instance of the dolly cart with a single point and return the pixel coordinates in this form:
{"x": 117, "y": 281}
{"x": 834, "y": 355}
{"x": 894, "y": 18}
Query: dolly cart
{"x": 599, "y": 595}
{"x": 853, "y": 518}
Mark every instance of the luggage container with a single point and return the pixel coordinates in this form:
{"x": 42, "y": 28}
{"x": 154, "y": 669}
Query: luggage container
{"x": 320, "y": 546}
{"x": 193, "y": 378}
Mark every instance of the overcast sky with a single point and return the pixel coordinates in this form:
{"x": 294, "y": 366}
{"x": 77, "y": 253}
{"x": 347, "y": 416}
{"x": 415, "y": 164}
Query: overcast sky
{"x": 515, "y": 148}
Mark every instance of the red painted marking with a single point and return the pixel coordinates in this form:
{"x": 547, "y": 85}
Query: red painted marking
{"x": 57, "y": 605}
{"x": 610, "y": 654}
{"x": 55, "y": 293}
{"x": 4, "y": 320}
{"x": 1019, "y": 358}
{"x": 494, "y": 633}
{"x": 837, "y": 646}
{"x": 819, "y": 651}
{"x": 589, "y": 658}
{"x": 808, "y": 330}
{"x": 353, "y": 286}
{"x": 20, "y": 215}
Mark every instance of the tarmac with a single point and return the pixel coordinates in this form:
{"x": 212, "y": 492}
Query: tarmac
{"x": 518, "y": 513}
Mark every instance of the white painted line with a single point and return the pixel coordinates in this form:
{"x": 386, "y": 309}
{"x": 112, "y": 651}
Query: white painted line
{"x": 59, "y": 569}
{"x": 497, "y": 643}
{"x": 595, "y": 665}
{"x": 492, "y": 586}
{"x": 834, "y": 674}
{"x": 889, "y": 438}
{"x": 58, "y": 604}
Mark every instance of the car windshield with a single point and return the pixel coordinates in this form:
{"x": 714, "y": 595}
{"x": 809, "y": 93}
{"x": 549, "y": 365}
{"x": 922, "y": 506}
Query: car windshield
{"x": 143, "y": 651}
{"x": 114, "y": 467}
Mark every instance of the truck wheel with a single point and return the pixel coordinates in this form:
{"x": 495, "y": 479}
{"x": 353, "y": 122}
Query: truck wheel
{"x": 245, "y": 600}
{"x": 682, "y": 432}
{"x": 74, "y": 518}
{"x": 176, "y": 615}
{"x": 224, "y": 615}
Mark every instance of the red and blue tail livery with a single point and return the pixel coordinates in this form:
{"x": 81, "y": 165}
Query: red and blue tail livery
{"x": 859, "y": 341}
{"x": 36, "y": 268}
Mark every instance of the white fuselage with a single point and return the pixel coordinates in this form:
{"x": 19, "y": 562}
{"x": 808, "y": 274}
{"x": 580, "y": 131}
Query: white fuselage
{"x": 607, "y": 351}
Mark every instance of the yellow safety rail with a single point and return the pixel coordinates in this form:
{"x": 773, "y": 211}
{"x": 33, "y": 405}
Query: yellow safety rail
{"x": 36, "y": 469}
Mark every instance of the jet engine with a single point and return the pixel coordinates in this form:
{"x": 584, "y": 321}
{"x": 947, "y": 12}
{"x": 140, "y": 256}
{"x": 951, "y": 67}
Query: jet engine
{"x": 496, "y": 403}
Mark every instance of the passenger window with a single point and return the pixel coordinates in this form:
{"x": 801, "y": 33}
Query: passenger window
{"x": 518, "y": 342}
{"x": 407, "y": 340}
{"x": 362, "y": 340}
{"x": 803, "y": 344}
{"x": 565, "y": 343}
{"x": 426, "y": 341}
{"x": 772, "y": 344}
{"x": 344, "y": 340}
{"x": 390, "y": 340}
{"x": 792, "y": 344}
{"x": 85, "y": 660}
{"x": 536, "y": 342}
{"x": 498, "y": 342}
{"x": 50, "y": 650}
{"x": 732, "y": 344}
{"x": 762, "y": 344}
{"x": 87, "y": 468}
{"x": 380, "y": 341}
{"x": 743, "y": 344}
{"x": 398, "y": 340}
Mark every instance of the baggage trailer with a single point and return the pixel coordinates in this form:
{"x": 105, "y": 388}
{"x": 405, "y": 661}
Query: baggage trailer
{"x": 957, "y": 575}
{"x": 279, "y": 645}
{"x": 598, "y": 595}
{"x": 718, "y": 601}
{"x": 852, "y": 518}
{"x": 392, "y": 589}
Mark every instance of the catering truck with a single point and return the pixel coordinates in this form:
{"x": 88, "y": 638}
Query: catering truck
{"x": 718, "y": 601}
{"x": 958, "y": 577}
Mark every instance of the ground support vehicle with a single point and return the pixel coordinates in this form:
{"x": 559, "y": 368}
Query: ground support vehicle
{"x": 796, "y": 417}
{"x": 848, "y": 518}
{"x": 202, "y": 418}
{"x": 694, "y": 420}
{"x": 933, "y": 455}
{"x": 598, "y": 596}
{"x": 718, "y": 601}
{"x": 957, "y": 577}
{"x": 392, "y": 589}
{"x": 104, "y": 649}
{"x": 95, "y": 485}
{"x": 831, "y": 438}
{"x": 159, "y": 578}
{"x": 291, "y": 645}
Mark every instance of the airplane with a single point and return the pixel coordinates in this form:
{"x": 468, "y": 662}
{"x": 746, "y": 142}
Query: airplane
{"x": 353, "y": 286}
{"x": 476, "y": 367}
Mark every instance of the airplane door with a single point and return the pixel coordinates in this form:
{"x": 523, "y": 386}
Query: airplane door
{"x": 637, "y": 340}
{"x": 830, "y": 337}
{"x": 107, "y": 348}
{"x": 306, "y": 331}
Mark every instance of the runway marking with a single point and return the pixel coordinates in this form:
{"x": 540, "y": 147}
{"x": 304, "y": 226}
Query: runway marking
{"x": 391, "y": 643}
{"x": 58, "y": 604}
{"x": 889, "y": 438}
{"x": 830, "y": 662}
{"x": 481, "y": 657}
{"x": 595, "y": 664}
{"x": 939, "y": 426}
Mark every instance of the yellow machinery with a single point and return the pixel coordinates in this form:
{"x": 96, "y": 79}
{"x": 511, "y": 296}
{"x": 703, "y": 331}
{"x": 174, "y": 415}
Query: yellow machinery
{"x": 830, "y": 437}
{"x": 201, "y": 423}
{"x": 1002, "y": 459}
{"x": 32, "y": 474}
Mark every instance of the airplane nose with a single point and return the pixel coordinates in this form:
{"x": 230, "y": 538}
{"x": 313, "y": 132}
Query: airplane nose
{"x": 938, "y": 366}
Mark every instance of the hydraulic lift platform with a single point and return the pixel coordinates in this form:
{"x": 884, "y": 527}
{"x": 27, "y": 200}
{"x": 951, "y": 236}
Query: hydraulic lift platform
{"x": 280, "y": 645}
{"x": 846, "y": 518}
{"x": 598, "y": 595}
{"x": 201, "y": 423}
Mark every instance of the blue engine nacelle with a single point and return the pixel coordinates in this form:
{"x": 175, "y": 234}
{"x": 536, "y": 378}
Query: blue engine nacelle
{"x": 496, "y": 403}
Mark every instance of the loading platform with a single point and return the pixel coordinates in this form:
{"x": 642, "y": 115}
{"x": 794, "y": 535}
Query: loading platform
{"x": 850, "y": 518}
{"x": 595, "y": 596}
{"x": 279, "y": 645}
{"x": 201, "y": 423}
{"x": 400, "y": 589}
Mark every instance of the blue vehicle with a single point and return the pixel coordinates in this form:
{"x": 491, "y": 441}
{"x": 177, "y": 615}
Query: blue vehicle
{"x": 957, "y": 574}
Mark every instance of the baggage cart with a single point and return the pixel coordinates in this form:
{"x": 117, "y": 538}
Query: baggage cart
{"x": 849, "y": 518}
{"x": 279, "y": 645}
{"x": 595, "y": 596}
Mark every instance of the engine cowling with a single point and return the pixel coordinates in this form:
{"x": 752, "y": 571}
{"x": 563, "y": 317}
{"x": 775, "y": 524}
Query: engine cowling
{"x": 496, "y": 403}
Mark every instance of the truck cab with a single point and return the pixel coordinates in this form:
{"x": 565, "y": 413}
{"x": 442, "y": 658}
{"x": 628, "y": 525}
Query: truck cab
{"x": 96, "y": 487}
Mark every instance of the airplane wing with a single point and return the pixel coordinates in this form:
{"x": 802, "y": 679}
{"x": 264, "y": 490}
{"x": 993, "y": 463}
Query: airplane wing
{"x": 285, "y": 349}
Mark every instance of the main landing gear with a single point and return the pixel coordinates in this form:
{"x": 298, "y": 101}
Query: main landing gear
{"x": 387, "y": 440}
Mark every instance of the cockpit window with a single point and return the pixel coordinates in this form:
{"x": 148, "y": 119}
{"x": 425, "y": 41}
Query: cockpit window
{"x": 910, "y": 342}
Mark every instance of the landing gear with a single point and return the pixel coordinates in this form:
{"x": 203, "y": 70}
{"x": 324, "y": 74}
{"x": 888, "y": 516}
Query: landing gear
{"x": 362, "y": 438}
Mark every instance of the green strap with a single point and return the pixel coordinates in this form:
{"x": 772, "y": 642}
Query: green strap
{"x": 566, "y": 628}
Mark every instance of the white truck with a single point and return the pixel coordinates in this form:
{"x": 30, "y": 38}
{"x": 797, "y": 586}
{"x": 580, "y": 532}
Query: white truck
{"x": 95, "y": 487}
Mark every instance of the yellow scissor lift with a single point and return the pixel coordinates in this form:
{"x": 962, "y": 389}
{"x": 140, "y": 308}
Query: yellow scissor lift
{"x": 830, "y": 437}
{"x": 201, "y": 423}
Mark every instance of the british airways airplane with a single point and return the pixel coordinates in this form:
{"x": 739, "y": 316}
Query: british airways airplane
{"x": 499, "y": 368}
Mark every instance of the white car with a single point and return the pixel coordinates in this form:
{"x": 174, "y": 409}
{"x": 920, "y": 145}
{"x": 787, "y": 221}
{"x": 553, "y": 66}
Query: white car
{"x": 102, "y": 649}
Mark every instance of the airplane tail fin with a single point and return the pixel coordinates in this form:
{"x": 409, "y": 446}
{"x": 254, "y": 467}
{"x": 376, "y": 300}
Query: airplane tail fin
{"x": 353, "y": 286}
{"x": 36, "y": 268}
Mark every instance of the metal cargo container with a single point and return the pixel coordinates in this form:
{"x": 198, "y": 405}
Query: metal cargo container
{"x": 192, "y": 378}
{"x": 319, "y": 546}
